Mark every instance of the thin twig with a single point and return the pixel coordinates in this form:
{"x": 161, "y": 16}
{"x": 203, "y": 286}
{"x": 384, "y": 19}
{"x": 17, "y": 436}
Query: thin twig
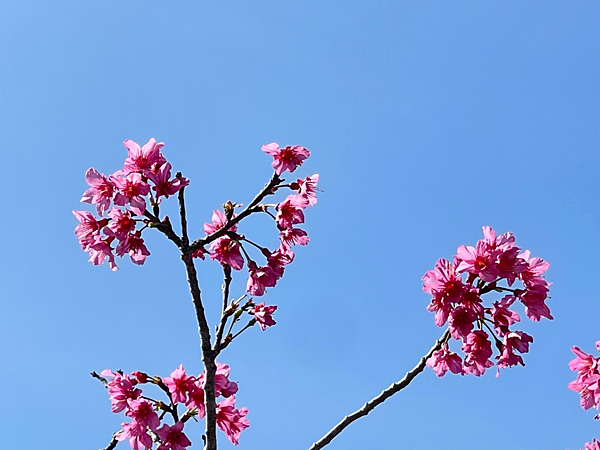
{"x": 224, "y": 316}
{"x": 184, "y": 233}
{"x": 164, "y": 227}
{"x": 113, "y": 442}
{"x": 387, "y": 393}
{"x": 251, "y": 208}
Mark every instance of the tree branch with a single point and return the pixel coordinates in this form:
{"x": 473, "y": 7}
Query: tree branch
{"x": 224, "y": 316}
{"x": 113, "y": 442}
{"x": 387, "y": 393}
{"x": 164, "y": 227}
{"x": 251, "y": 208}
{"x": 184, "y": 233}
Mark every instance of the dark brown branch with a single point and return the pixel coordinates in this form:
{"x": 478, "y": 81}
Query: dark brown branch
{"x": 251, "y": 208}
{"x": 208, "y": 357}
{"x": 113, "y": 442}
{"x": 387, "y": 393}
{"x": 164, "y": 227}
{"x": 224, "y": 315}
{"x": 184, "y": 233}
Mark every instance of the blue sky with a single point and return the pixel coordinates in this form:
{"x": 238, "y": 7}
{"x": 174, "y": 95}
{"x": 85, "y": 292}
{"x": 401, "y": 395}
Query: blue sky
{"x": 426, "y": 120}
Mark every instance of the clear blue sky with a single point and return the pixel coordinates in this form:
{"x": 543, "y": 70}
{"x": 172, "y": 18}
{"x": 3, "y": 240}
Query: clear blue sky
{"x": 426, "y": 120}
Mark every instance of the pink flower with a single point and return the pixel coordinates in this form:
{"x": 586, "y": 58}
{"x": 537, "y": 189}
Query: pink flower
{"x": 138, "y": 438}
{"x": 231, "y": 420}
{"x": 587, "y": 383}
{"x": 218, "y": 221}
{"x": 227, "y": 251}
{"x": 173, "y": 438}
{"x": 259, "y": 278}
{"x": 134, "y": 245}
{"x": 223, "y": 386}
{"x": 141, "y": 160}
{"x": 308, "y": 188}
{"x": 289, "y": 212}
{"x": 179, "y": 384}
{"x": 100, "y": 250}
{"x": 286, "y": 159}
{"x": 122, "y": 222}
{"x": 293, "y": 236}
{"x": 479, "y": 261}
{"x": 478, "y": 350}
{"x": 278, "y": 259}
{"x": 595, "y": 445}
{"x": 461, "y": 322}
{"x": 196, "y": 396}
{"x": 101, "y": 191}
{"x": 516, "y": 340}
{"x": 443, "y": 360}
{"x": 164, "y": 186}
{"x": 88, "y": 230}
{"x": 262, "y": 314}
{"x": 502, "y": 316}
{"x": 120, "y": 389}
{"x": 446, "y": 286}
{"x": 131, "y": 189}
{"x": 143, "y": 414}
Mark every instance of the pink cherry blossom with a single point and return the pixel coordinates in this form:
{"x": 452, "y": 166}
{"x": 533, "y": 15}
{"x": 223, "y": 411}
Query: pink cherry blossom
{"x": 259, "y": 278}
{"x": 227, "y": 251}
{"x": 262, "y": 314}
{"x": 308, "y": 188}
{"x": 172, "y": 437}
{"x": 101, "y": 191}
{"x": 143, "y": 414}
{"x": 446, "y": 286}
{"x": 133, "y": 244}
{"x": 219, "y": 219}
{"x": 594, "y": 445}
{"x": 120, "y": 389}
{"x": 223, "y": 386}
{"x": 478, "y": 350}
{"x": 502, "y": 316}
{"x": 286, "y": 159}
{"x": 478, "y": 260}
{"x": 131, "y": 190}
{"x": 179, "y": 384}
{"x": 138, "y": 438}
{"x": 516, "y": 340}
{"x": 279, "y": 259}
{"x": 122, "y": 222}
{"x": 101, "y": 250}
{"x": 461, "y": 322}
{"x": 443, "y": 360}
{"x": 587, "y": 383}
{"x": 88, "y": 230}
{"x": 289, "y": 212}
{"x": 293, "y": 236}
{"x": 231, "y": 420}
{"x": 141, "y": 160}
{"x": 196, "y": 396}
{"x": 163, "y": 186}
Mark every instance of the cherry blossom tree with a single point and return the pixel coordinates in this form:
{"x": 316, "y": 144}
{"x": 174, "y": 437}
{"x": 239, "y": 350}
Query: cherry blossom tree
{"x": 128, "y": 204}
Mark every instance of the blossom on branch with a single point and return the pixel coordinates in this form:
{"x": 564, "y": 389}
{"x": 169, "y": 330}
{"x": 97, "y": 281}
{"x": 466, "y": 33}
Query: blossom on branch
{"x": 286, "y": 159}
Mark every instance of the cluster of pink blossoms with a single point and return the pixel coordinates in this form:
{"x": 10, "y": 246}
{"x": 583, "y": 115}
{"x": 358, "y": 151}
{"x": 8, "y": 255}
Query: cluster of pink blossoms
{"x": 145, "y": 426}
{"x": 146, "y": 174}
{"x": 229, "y": 249}
{"x": 458, "y": 301}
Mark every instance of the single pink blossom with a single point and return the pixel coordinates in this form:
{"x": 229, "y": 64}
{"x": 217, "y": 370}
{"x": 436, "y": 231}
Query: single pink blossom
{"x": 142, "y": 160}
{"x": 137, "y": 438}
{"x": 308, "y": 188}
{"x": 502, "y": 316}
{"x": 289, "y": 212}
{"x": 219, "y": 219}
{"x": 179, "y": 384}
{"x": 503, "y": 242}
{"x": 163, "y": 186}
{"x": 515, "y": 340}
{"x": 461, "y": 322}
{"x": 120, "y": 390}
{"x": 231, "y": 420}
{"x": 223, "y": 386}
{"x": 133, "y": 244}
{"x": 101, "y": 190}
{"x": 293, "y": 236}
{"x": 262, "y": 314}
{"x": 88, "y": 230}
{"x": 278, "y": 259}
{"x": 131, "y": 190}
{"x": 172, "y": 437}
{"x": 478, "y": 350}
{"x": 594, "y": 445}
{"x": 259, "y": 278}
{"x": 122, "y": 222}
{"x": 227, "y": 251}
{"x": 101, "y": 250}
{"x": 143, "y": 414}
{"x": 443, "y": 360}
{"x": 446, "y": 286}
{"x": 478, "y": 260}
{"x": 196, "y": 396}
{"x": 286, "y": 159}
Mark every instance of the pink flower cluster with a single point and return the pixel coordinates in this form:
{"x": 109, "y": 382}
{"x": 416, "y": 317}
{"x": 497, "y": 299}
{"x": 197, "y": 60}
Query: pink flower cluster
{"x": 125, "y": 394}
{"x": 459, "y": 302}
{"x": 229, "y": 248}
{"x": 145, "y": 170}
{"x": 587, "y": 382}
